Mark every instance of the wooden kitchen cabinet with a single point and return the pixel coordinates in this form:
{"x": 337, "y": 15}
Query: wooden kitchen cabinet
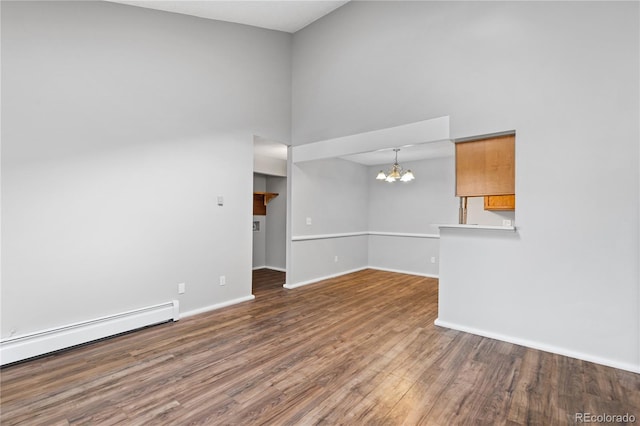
{"x": 500, "y": 202}
{"x": 486, "y": 167}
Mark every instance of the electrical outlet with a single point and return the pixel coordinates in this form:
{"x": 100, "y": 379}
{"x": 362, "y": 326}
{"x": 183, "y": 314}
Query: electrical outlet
{"x": 220, "y": 200}
{"x": 506, "y": 222}
{"x": 433, "y": 259}
{"x": 182, "y": 288}
{"x": 308, "y": 221}
{"x": 335, "y": 259}
{"x": 223, "y": 280}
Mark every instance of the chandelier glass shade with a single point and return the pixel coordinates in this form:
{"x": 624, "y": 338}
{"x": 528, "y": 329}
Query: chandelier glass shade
{"x": 396, "y": 172}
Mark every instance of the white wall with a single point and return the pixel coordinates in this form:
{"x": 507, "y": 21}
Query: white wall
{"x": 333, "y": 194}
{"x": 120, "y": 128}
{"x": 476, "y": 214}
{"x": 564, "y": 75}
{"x": 269, "y": 165}
{"x": 259, "y": 182}
{"x": 276, "y": 222}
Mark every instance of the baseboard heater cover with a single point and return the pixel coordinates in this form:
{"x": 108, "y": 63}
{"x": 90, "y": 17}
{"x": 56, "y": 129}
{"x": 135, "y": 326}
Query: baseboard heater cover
{"x": 18, "y": 348}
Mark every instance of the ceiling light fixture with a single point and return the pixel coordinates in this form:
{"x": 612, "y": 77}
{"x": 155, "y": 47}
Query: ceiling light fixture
{"x": 396, "y": 172}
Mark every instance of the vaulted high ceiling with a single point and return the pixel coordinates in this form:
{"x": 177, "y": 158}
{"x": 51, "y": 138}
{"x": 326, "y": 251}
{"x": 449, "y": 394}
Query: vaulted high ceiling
{"x": 287, "y": 16}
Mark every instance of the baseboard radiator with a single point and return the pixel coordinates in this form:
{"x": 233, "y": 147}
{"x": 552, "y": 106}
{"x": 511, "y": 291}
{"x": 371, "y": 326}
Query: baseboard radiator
{"x": 18, "y": 348}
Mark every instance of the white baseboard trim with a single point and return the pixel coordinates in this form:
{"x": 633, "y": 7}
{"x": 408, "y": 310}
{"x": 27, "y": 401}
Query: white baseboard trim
{"x": 540, "y": 346}
{"x": 326, "y": 277}
{"x": 399, "y": 271}
{"x": 217, "y": 306}
{"x": 274, "y": 268}
{"x": 18, "y": 348}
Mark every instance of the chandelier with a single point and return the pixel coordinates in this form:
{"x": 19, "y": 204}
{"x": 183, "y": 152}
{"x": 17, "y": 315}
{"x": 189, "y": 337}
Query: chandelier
{"x": 396, "y": 172}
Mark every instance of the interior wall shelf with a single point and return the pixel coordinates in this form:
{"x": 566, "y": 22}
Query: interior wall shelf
{"x": 260, "y": 201}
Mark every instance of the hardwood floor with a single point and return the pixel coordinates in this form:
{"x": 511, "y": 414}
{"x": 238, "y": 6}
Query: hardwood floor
{"x": 356, "y": 350}
{"x": 267, "y": 279}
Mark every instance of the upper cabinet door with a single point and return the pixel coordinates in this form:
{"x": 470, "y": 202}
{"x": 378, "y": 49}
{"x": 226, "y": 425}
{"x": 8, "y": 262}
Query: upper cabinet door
{"x": 486, "y": 167}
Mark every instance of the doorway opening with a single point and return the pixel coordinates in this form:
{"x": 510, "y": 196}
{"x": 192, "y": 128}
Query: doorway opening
{"x": 269, "y": 214}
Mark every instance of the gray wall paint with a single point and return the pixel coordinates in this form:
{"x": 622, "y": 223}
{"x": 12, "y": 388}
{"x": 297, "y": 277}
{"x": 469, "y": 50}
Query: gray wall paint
{"x": 269, "y": 166}
{"x": 408, "y": 255}
{"x": 333, "y": 193}
{"x": 260, "y": 237}
{"x": 315, "y": 259}
{"x": 276, "y": 221}
{"x": 414, "y": 207}
{"x": 260, "y": 243}
{"x": 120, "y": 125}
{"x": 259, "y": 182}
{"x": 476, "y": 214}
{"x": 564, "y": 75}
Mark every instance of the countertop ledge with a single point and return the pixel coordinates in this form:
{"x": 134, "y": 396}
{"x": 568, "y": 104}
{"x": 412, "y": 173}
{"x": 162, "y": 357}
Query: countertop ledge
{"x": 468, "y": 226}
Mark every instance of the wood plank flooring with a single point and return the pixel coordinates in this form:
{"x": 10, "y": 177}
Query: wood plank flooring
{"x": 355, "y": 350}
